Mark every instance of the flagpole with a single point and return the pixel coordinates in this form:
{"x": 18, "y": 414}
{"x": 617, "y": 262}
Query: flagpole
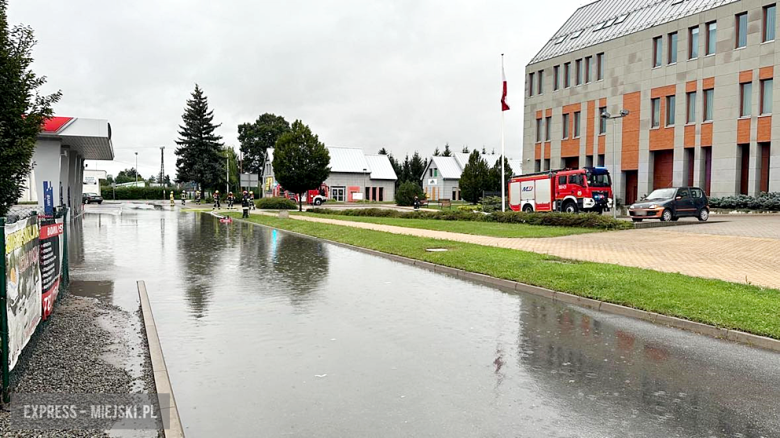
{"x": 503, "y": 174}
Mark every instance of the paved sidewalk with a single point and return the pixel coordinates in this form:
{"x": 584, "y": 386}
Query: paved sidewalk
{"x": 732, "y": 258}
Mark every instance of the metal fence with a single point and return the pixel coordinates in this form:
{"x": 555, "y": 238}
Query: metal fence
{"x": 23, "y": 251}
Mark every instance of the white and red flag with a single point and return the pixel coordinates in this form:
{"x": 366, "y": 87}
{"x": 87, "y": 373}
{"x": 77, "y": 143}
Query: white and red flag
{"x": 504, "y": 105}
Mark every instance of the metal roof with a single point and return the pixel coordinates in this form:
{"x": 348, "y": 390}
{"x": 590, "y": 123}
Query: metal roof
{"x": 605, "y": 20}
{"x": 90, "y": 138}
{"x": 448, "y": 167}
{"x": 380, "y": 167}
{"x": 348, "y": 160}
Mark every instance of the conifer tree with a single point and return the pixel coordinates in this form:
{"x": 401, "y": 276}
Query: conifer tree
{"x": 200, "y": 156}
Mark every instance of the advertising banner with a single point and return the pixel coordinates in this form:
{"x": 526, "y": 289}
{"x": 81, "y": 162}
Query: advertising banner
{"x": 51, "y": 265}
{"x": 23, "y": 284}
{"x": 48, "y": 199}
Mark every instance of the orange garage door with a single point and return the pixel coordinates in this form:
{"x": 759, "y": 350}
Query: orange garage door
{"x": 663, "y": 164}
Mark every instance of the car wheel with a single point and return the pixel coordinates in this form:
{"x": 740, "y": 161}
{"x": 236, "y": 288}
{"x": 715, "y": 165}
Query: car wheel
{"x": 86, "y": 201}
{"x": 318, "y": 201}
{"x": 528, "y": 208}
{"x": 675, "y": 218}
{"x": 100, "y": 202}
{"x": 666, "y": 216}
{"x": 636, "y": 219}
{"x": 570, "y": 208}
{"x": 704, "y": 214}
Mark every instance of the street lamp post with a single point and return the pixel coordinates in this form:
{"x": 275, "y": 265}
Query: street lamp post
{"x": 608, "y": 116}
{"x": 136, "y": 169}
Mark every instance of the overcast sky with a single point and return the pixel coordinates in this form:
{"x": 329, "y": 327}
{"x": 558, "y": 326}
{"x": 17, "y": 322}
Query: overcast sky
{"x": 403, "y": 74}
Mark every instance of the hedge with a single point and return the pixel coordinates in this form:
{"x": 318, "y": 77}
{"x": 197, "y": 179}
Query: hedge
{"x": 276, "y": 204}
{"x": 586, "y": 220}
{"x": 139, "y": 193}
{"x": 762, "y": 202}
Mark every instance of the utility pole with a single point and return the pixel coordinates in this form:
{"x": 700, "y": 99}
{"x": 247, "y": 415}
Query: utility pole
{"x": 136, "y": 169}
{"x": 227, "y": 172}
{"x": 162, "y": 165}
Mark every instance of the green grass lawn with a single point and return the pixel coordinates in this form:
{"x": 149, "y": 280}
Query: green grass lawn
{"x": 492, "y": 229}
{"x": 728, "y": 305}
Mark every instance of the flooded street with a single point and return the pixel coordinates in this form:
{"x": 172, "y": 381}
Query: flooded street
{"x": 271, "y": 334}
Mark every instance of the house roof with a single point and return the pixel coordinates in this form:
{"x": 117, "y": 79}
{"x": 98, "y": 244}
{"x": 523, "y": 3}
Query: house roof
{"x": 448, "y": 167}
{"x": 348, "y": 160}
{"x": 381, "y": 168}
{"x": 605, "y": 20}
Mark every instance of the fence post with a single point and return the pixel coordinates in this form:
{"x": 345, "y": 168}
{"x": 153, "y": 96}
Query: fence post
{"x": 6, "y": 372}
{"x": 65, "y": 259}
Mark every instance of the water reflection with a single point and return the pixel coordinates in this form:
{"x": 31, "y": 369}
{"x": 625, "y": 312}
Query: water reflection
{"x": 301, "y": 264}
{"x": 625, "y": 377}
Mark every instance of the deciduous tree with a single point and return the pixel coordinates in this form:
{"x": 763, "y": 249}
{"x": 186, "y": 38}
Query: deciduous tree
{"x": 259, "y": 136}
{"x": 301, "y": 162}
{"x": 22, "y": 109}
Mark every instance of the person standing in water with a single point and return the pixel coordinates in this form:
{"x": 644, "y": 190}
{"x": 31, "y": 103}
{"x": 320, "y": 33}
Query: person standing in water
{"x": 216, "y": 200}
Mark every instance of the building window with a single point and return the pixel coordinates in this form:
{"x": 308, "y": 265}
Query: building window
{"x": 671, "y": 107}
{"x": 530, "y": 84}
{"x": 599, "y": 66}
{"x": 538, "y": 166}
{"x": 672, "y": 47}
{"x": 712, "y": 37}
{"x": 576, "y": 124}
{"x": 602, "y": 121}
{"x": 540, "y": 78}
{"x": 547, "y": 124}
{"x": 556, "y": 77}
{"x": 741, "y": 30}
{"x": 588, "y": 63}
{"x": 766, "y": 96}
{"x": 745, "y": 99}
{"x": 709, "y": 100}
{"x": 578, "y": 72}
{"x": 601, "y": 160}
{"x": 769, "y": 23}
{"x": 567, "y": 75}
{"x": 690, "y": 101}
{"x": 693, "y": 42}
{"x": 656, "y": 111}
{"x": 565, "y": 126}
{"x": 657, "y": 51}
{"x": 539, "y": 128}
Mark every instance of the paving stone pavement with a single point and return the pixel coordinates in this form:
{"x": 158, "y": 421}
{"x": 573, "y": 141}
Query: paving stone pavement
{"x": 729, "y": 252}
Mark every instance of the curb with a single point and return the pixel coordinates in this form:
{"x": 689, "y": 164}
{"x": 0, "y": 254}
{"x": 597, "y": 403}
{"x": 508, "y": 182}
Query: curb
{"x": 162, "y": 382}
{"x": 563, "y": 297}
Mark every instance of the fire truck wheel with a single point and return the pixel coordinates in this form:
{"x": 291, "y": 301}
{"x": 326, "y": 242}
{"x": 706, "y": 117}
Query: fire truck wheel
{"x": 570, "y": 207}
{"x": 666, "y": 216}
{"x": 528, "y": 208}
{"x": 318, "y": 201}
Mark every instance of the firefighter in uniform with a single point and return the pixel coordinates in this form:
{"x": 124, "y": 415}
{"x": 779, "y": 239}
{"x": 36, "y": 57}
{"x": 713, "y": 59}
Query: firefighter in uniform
{"x": 245, "y": 205}
{"x": 216, "y": 200}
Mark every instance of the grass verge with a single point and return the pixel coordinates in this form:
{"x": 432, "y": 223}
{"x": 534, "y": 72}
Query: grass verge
{"x": 729, "y": 305}
{"x": 492, "y": 229}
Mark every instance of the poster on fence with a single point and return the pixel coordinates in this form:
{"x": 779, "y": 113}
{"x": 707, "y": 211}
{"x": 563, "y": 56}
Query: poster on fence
{"x": 23, "y": 284}
{"x": 51, "y": 265}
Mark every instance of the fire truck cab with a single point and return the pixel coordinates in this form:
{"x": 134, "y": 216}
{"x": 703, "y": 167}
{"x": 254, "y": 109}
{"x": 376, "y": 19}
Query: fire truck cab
{"x": 566, "y": 190}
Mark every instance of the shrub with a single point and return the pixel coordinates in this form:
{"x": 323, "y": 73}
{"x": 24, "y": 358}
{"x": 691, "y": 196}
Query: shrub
{"x": 276, "y": 204}
{"x": 491, "y": 204}
{"x": 762, "y": 202}
{"x": 406, "y": 193}
{"x": 587, "y": 220}
{"x": 139, "y": 193}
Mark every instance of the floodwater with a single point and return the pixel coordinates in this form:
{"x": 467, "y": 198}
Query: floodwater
{"x": 270, "y": 334}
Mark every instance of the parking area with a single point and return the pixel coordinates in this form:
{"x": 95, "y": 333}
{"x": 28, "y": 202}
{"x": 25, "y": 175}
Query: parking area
{"x": 764, "y": 226}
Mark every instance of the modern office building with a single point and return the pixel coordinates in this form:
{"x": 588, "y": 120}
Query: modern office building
{"x": 697, "y": 80}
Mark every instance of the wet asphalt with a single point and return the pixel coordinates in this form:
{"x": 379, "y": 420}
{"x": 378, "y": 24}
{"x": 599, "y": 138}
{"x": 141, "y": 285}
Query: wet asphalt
{"x": 270, "y": 334}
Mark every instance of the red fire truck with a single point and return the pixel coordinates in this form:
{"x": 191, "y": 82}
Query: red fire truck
{"x": 566, "y": 190}
{"x": 312, "y": 197}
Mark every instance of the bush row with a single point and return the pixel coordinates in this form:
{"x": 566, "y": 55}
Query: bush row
{"x": 762, "y": 202}
{"x": 588, "y": 220}
{"x": 276, "y": 204}
{"x": 139, "y": 193}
